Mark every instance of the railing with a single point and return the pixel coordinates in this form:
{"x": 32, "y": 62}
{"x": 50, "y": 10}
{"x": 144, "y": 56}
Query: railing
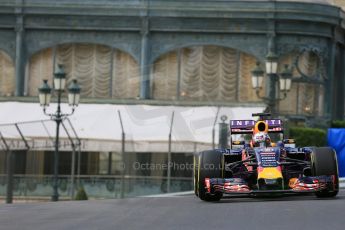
{"x": 96, "y": 186}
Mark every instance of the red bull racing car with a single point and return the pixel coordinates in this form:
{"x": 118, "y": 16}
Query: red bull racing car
{"x": 261, "y": 166}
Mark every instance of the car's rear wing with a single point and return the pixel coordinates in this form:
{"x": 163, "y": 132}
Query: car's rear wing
{"x": 247, "y": 126}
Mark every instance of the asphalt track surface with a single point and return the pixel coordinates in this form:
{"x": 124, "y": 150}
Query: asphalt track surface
{"x": 183, "y": 212}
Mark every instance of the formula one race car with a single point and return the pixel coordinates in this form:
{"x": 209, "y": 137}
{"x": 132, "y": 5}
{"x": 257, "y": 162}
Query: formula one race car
{"x": 261, "y": 166}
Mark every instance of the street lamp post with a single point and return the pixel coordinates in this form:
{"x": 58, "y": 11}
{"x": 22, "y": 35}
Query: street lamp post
{"x": 283, "y": 79}
{"x": 73, "y": 100}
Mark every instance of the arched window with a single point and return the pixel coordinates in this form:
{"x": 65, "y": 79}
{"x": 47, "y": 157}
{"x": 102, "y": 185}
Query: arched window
{"x": 204, "y": 73}
{"x": 102, "y": 72}
{"x": 7, "y": 79}
{"x": 306, "y": 95}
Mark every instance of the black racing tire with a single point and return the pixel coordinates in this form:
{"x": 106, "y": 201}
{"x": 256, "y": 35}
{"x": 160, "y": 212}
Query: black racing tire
{"x": 209, "y": 166}
{"x": 324, "y": 162}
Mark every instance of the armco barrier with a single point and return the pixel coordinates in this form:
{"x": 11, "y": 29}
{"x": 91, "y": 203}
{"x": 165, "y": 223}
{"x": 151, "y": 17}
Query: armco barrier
{"x": 342, "y": 182}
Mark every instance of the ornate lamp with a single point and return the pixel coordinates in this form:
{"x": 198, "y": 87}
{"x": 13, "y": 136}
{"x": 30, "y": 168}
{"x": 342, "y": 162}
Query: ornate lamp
{"x": 44, "y": 94}
{"x": 74, "y": 93}
{"x": 257, "y": 77}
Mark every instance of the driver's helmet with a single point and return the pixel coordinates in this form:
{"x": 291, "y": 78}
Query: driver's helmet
{"x": 261, "y": 139}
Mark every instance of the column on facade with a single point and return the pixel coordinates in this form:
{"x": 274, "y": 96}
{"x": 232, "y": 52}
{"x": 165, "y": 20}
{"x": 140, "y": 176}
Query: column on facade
{"x": 20, "y": 57}
{"x": 329, "y": 87}
{"x": 338, "y": 83}
{"x": 144, "y": 61}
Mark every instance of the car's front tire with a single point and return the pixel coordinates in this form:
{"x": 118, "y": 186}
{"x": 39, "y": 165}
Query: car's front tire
{"x": 209, "y": 166}
{"x": 324, "y": 163}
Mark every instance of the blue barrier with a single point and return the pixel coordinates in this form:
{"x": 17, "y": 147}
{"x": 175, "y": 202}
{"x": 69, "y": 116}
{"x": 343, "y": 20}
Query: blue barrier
{"x": 336, "y": 139}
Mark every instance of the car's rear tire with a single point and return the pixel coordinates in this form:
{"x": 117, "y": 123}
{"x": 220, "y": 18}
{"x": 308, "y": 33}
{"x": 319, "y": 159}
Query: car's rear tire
{"x": 209, "y": 166}
{"x": 324, "y": 162}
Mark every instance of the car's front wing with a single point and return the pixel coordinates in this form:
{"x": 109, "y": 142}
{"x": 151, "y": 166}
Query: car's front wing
{"x": 297, "y": 185}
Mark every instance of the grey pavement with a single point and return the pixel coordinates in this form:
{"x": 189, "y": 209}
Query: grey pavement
{"x": 180, "y": 212}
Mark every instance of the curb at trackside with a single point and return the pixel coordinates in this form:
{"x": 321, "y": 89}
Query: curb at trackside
{"x": 172, "y": 194}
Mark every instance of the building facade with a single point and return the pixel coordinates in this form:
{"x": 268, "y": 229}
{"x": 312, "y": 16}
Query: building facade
{"x": 171, "y": 51}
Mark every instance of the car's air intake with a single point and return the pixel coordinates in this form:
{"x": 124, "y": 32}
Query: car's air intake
{"x": 262, "y": 126}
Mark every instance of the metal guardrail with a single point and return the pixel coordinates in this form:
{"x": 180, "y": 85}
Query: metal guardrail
{"x": 342, "y": 182}
{"x": 96, "y": 186}
{"x": 16, "y": 131}
{"x": 39, "y": 187}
